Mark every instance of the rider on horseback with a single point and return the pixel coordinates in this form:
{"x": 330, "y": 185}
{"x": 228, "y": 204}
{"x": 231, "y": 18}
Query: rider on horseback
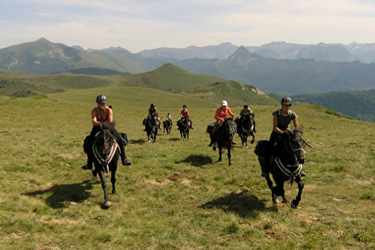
{"x": 153, "y": 112}
{"x": 186, "y": 115}
{"x": 247, "y": 111}
{"x": 281, "y": 120}
{"x": 220, "y": 116}
{"x": 101, "y": 115}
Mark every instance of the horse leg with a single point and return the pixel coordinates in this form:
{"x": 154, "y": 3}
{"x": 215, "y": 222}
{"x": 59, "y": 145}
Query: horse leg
{"x": 220, "y": 153}
{"x": 187, "y": 133}
{"x": 113, "y": 180}
{"x": 229, "y": 155}
{"x": 301, "y": 185}
{"x": 106, "y": 203}
{"x": 253, "y": 136}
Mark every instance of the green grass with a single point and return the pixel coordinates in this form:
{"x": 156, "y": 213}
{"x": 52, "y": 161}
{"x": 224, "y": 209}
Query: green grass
{"x": 176, "y": 195}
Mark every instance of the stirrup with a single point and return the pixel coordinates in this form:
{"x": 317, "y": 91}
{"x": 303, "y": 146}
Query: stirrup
{"x": 87, "y": 167}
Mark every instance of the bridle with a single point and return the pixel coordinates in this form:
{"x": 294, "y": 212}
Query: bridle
{"x": 112, "y": 151}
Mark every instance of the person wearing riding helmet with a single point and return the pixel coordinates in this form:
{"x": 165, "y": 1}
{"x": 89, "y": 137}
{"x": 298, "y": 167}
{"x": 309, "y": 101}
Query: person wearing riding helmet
{"x": 185, "y": 113}
{"x": 220, "y": 115}
{"x": 281, "y": 120}
{"x": 102, "y": 114}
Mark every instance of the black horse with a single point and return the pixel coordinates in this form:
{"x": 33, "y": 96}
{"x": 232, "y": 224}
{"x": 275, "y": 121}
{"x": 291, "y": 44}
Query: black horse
{"x": 246, "y": 128}
{"x": 183, "y": 126}
{"x": 151, "y": 123}
{"x": 167, "y": 126}
{"x": 223, "y": 137}
{"x": 285, "y": 162}
{"x": 106, "y": 152}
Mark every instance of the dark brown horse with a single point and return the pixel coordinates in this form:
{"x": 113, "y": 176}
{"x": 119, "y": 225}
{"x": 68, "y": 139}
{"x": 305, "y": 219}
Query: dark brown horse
{"x": 183, "y": 126}
{"x": 106, "y": 153}
{"x": 284, "y": 162}
{"x": 167, "y": 126}
{"x": 152, "y": 125}
{"x": 223, "y": 137}
{"x": 246, "y": 128}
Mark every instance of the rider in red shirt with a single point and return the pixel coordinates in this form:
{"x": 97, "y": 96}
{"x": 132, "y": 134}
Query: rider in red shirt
{"x": 220, "y": 115}
{"x": 185, "y": 114}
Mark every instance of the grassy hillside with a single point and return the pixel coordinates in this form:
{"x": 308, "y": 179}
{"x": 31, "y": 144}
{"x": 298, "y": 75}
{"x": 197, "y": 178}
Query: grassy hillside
{"x": 168, "y": 78}
{"x": 176, "y": 196}
{"x": 358, "y": 104}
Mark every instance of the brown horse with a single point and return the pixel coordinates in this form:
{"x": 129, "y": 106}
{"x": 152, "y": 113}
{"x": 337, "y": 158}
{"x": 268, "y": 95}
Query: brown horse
{"x": 106, "y": 153}
{"x": 284, "y": 162}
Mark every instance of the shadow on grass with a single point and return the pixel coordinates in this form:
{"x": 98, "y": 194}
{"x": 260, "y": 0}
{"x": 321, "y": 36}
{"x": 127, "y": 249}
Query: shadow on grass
{"x": 139, "y": 141}
{"x": 60, "y": 196}
{"x": 197, "y": 160}
{"x": 174, "y": 139}
{"x": 244, "y": 204}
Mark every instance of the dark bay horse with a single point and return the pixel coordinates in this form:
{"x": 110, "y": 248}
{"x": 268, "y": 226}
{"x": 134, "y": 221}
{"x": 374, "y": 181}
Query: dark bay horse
{"x": 167, "y": 126}
{"x": 223, "y": 137}
{"x": 106, "y": 153}
{"x": 246, "y": 128}
{"x": 151, "y": 123}
{"x": 183, "y": 126}
{"x": 285, "y": 163}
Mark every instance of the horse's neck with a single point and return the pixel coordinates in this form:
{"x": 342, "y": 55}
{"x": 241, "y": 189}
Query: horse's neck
{"x": 285, "y": 154}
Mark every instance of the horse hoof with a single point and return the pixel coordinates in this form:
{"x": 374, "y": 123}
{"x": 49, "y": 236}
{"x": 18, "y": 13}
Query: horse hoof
{"x": 294, "y": 204}
{"x": 106, "y": 205}
{"x": 284, "y": 201}
{"x": 275, "y": 201}
{"x": 114, "y": 192}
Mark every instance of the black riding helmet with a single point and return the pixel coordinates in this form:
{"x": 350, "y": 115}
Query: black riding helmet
{"x": 152, "y": 105}
{"x": 286, "y": 101}
{"x": 245, "y": 106}
{"x": 184, "y": 106}
{"x": 101, "y": 99}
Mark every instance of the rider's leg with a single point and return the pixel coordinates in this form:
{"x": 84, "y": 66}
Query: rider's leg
{"x": 88, "y": 151}
{"x": 213, "y": 134}
{"x": 121, "y": 142}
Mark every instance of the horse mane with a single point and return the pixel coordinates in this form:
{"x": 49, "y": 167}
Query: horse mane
{"x": 297, "y": 129}
{"x": 110, "y": 126}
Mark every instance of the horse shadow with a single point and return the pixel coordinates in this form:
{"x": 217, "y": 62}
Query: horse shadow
{"x": 61, "y": 195}
{"x": 244, "y": 204}
{"x": 197, "y": 160}
{"x": 139, "y": 141}
{"x": 174, "y": 139}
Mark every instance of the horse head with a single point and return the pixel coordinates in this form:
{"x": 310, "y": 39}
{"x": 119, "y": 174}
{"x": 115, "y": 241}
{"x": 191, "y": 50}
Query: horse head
{"x": 295, "y": 144}
{"x": 230, "y": 127}
{"x": 104, "y": 142}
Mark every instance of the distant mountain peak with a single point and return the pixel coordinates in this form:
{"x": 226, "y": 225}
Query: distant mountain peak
{"x": 42, "y": 40}
{"x": 242, "y": 53}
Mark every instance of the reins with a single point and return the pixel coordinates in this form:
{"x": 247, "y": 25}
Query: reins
{"x": 109, "y": 158}
{"x": 287, "y": 172}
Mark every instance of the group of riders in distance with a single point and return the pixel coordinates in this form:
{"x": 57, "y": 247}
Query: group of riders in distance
{"x": 105, "y": 144}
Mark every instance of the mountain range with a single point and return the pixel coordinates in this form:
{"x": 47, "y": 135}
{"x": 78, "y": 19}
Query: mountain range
{"x": 289, "y": 72}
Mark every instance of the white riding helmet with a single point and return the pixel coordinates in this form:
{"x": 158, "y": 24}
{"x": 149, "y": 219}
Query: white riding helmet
{"x": 224, "y": 103}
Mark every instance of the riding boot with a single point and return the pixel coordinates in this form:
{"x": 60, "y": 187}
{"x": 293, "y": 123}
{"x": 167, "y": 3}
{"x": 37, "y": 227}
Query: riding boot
{"x": 125, "y": 161}
{"x": 88, "y": 165}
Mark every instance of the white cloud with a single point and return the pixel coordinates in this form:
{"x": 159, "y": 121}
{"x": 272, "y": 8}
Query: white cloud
{"x": 138, "y": 25}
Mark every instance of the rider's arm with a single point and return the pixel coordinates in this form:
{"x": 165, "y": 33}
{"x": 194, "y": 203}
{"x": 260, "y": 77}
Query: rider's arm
{"x": 295, "y": 122}
{"x": 230, "y": 112}
{"x": 93, "y": 118}
{"x": 275, "y": 128}
{"x": 110, "y": 115}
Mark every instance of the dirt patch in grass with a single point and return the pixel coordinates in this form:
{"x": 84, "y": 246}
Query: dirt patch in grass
{"x": 307, "y": 218}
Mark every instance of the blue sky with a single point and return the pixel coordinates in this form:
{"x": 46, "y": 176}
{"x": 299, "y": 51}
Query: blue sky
{"x": 145, "y": 24}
